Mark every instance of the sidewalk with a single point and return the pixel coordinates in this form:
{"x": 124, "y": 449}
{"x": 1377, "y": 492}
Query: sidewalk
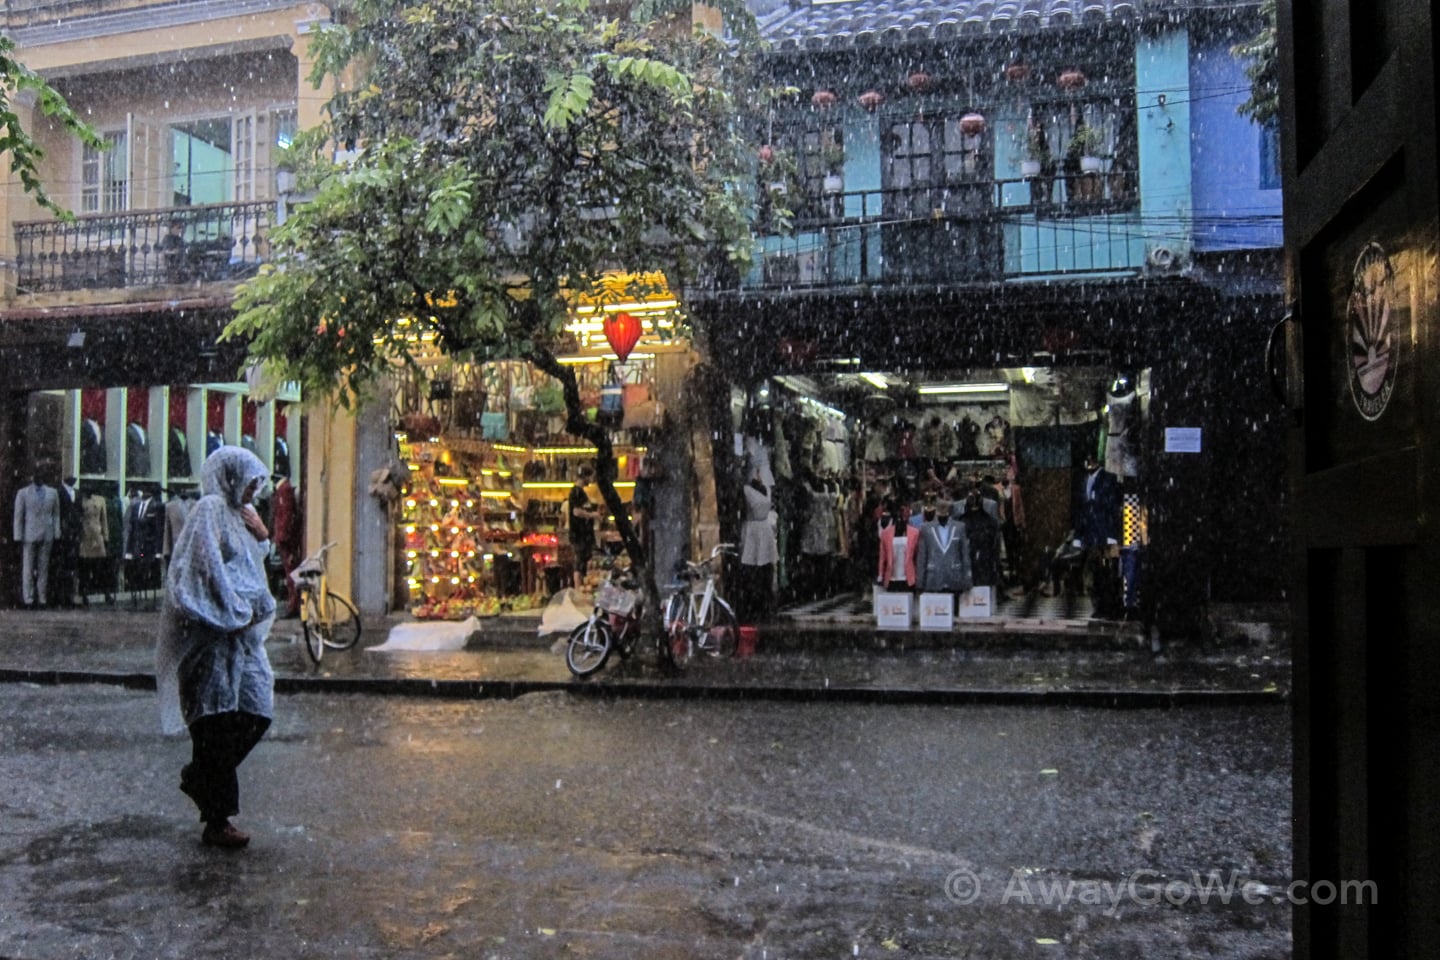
{"x": 1014, "y": 662}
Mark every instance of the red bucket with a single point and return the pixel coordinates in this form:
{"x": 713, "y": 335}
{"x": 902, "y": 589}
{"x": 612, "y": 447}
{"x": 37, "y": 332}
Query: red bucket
{"x": 745, "y": 645}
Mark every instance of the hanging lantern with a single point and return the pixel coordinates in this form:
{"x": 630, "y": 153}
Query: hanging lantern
{"x": 919, "y": 81}
{"x": 824, "y": 99}
{"x": 972, "y": 124}
{"x": 871, "y": 99}
{"x": 767, "y": 154}
{"x": 1018, "y": 71}
{"x": 622, "y": 332}
{"x": 1071, "y": 79}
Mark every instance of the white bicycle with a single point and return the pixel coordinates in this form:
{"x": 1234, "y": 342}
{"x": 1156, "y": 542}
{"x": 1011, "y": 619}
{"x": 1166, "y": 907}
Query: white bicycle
{"x": 697, "y": 619}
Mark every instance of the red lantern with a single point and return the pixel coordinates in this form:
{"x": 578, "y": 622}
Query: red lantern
{"x": 767, "y": 154}
{"x": 871, "y": 99}
{"x": 622, "y": 331}
{"x": 1071, "y": 79}
{"x": 920, "y": 81}
{"x": 972, "y": 124}
{"x": 824, "y": 99}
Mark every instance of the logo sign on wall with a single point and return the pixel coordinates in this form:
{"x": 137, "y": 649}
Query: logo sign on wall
{"x": 1372, "y": 345}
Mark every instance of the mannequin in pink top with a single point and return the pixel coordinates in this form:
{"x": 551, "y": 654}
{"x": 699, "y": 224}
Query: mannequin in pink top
{"x": 898, "y": 541}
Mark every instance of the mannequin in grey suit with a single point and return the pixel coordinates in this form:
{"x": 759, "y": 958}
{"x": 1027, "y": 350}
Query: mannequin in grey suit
{"x": 942, "y": 558}
{"x": 37, "y": 527}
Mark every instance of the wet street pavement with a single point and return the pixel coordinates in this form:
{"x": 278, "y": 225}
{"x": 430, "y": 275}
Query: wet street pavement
{"x": 553, "y": 825}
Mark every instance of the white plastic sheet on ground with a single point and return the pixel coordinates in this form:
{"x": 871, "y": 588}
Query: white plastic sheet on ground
{"x": 566, "y": 610}
{"x": 430, "y": 635}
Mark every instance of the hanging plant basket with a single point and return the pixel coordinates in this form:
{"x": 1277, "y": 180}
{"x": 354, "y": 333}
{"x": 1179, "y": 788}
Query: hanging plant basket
{"x": 920, "y": 82}
{"x": 871, "y": 100}
{"x": 1071, "y": 79}
{"x": 972, "y": 124}
{"x": 824, "y": 99}
{"x": 1017, "y": 72}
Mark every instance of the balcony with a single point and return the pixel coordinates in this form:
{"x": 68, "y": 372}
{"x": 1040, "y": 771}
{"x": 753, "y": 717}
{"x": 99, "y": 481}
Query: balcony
{"x": 143, "y": 248}
{"x": 980, "y": 231}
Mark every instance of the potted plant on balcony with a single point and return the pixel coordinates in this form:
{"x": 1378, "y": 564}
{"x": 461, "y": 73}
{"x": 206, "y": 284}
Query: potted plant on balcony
{"x": 832, "y": 161}
{"x": 1038, "y": 166}
{"x": 1082, "y": 163}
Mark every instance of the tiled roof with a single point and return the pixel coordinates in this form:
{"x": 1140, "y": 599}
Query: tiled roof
{"x": 818, "y": 24}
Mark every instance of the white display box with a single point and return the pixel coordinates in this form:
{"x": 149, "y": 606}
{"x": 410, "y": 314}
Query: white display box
{"x": 976, "y": 602}
{"x": 892, "y": 610}
{"x": 937, "y": 611}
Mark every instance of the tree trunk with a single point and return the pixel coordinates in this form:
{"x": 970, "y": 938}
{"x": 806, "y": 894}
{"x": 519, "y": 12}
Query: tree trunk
{"x": 652, "y": 626}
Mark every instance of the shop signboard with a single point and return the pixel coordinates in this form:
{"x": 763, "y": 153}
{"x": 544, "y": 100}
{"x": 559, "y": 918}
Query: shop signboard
{"x": 937, "y": 611}
{"x": 976, "y": 602}
{"x": 892, "y": 610}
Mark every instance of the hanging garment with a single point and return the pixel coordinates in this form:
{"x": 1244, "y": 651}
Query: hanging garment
{"x": 95, "y": 528}
{"x": 983, "y": 534}
{"x": 757, "y": 534}
{"x": 92, "y": 447}
{"x": 942, "y": 558}
{"x": 137, "y": 452}
{"x": 176, "y": 510}
{"x": 1123, "y": 428}
{"x": 177, "y": 458}
{"x": 818, "y": 536}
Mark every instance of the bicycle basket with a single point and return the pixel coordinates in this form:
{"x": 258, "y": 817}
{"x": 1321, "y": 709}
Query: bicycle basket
{"x": 613, "y": 598}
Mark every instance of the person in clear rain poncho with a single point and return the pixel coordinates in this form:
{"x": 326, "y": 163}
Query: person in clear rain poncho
{"x": 211, "y": 670}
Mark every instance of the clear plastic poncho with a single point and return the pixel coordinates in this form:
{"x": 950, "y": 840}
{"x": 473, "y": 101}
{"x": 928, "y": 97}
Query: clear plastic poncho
{"x": 218, "y": 610}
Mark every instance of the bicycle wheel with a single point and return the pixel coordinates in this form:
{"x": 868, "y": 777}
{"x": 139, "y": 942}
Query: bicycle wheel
{"x": 314, "y": 627}
{"x": 589, "y": 647}
{"x": 344, "y": 623}
{"x": 720, "y": 631}
{"x": 678, "y": 644}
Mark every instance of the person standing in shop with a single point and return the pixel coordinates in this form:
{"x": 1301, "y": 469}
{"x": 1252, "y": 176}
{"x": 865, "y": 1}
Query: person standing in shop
{"x": 37, "y": 527}
{"x": 582, "y": 517}
{"x": 211, "y": 671}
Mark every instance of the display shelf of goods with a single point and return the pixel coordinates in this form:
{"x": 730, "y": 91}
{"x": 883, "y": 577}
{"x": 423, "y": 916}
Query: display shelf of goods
{"x": 444, "y": 552}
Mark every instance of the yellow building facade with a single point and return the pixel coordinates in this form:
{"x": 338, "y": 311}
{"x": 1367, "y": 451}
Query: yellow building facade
{"x": 108, "y": 322}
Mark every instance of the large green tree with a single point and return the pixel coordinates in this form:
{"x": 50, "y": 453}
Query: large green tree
{"x": 25, "y": 153}
{"x": 508, "y": 154}
{"x": 1262, "y": 55}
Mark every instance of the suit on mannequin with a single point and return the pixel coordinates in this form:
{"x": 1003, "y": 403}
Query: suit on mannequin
{"x": 1097, "y": 531}
{"x": 942, "y": 557}
{"x": 66, "y": 566}
{"x": 144, "y": 541}
{"x": 37, "y": 527}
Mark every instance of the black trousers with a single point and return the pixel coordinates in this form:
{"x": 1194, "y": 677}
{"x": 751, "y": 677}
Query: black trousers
{"x": 219, "y": 744}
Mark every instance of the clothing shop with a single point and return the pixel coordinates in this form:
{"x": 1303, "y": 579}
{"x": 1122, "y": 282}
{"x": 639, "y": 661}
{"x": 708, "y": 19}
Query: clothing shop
{"x": 859, "y": 483}
{"x": 125, "y": 464}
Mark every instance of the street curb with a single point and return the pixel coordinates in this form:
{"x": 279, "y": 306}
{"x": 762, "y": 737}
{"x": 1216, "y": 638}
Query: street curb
{"x": 645, "y": 690}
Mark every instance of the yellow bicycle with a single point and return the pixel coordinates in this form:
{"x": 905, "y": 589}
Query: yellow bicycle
{"x": 328, "y": 619}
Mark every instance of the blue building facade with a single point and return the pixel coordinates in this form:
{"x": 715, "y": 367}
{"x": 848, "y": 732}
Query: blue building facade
{"x": 990, "y": 195}
{"x": 952, "y": 143}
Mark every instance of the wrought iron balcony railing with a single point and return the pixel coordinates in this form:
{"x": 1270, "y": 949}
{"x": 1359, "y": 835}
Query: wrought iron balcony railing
{"x": 141, "y": 248}
{"x": 957, "y": 233}
{"x": 32, "y": 13}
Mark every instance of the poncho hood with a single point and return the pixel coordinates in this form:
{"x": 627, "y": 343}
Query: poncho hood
{"x": 228, "y": 471}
